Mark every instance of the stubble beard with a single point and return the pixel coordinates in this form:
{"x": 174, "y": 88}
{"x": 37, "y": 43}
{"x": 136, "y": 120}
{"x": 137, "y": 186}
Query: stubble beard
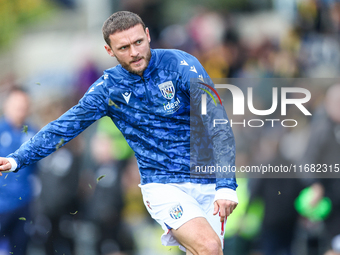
{"x": 128, "y": 67}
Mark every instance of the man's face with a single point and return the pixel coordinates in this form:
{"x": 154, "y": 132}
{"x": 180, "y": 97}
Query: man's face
{"x": 131, "y": 48}
{"x": 16, "y": 108}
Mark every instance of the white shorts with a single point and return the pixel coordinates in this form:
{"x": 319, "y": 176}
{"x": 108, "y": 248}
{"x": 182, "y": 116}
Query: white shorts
{"x": 173, "y": 204}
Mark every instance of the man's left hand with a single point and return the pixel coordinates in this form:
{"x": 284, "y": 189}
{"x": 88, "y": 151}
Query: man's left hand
{"x": 225, "y": 207}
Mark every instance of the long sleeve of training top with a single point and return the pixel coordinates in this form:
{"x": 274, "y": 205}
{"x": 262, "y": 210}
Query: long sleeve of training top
{"x": 212, "y": 145}
{"x": 153, "y": 113}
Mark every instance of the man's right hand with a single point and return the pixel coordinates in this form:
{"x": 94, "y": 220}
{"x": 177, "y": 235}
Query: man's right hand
{"x": 5, "y": 165}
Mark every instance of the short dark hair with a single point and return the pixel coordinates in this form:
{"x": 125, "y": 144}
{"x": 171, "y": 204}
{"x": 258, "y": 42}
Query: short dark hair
{"x": 120, "y": 21}
{"x": 17, "y": 89}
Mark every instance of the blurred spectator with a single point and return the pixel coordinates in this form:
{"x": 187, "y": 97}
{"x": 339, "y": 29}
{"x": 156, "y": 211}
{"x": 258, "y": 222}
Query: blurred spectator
{"x": 16, "y": 190}
{"x": 200, "y": 30}
{"x": 280, "y": 217}
{"x": 57, "y": 205}
{"x": 324, "y": 148}
{"x": 58, "y": 200}
{"x": 104, "y": 206}
{"x": 150, "y": 12}
{"x": 88, "y": 74}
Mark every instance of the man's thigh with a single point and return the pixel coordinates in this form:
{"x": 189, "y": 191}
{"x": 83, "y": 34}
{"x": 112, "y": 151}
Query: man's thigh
{"x": 176, "y": 205}
{"x": 198, "y": 237}
{"x": 169, "y": 205}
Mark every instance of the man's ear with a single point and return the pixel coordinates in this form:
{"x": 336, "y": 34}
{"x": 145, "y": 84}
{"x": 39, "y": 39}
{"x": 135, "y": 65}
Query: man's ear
{"x": 109, "y": 50}
{"x": 148, "y": 34}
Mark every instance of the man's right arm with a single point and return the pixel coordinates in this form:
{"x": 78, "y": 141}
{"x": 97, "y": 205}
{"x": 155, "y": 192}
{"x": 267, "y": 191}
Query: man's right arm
{"x": 54, "y": 135}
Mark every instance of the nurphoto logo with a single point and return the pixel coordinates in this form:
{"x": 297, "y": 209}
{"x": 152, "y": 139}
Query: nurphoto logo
{"x": 238, "y": 107}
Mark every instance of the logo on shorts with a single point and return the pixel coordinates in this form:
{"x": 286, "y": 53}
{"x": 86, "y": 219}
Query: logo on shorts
{"x": 176, "y": 212}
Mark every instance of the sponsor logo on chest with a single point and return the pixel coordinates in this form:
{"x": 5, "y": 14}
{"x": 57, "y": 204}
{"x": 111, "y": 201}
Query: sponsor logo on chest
{"x": 172, "y": 107}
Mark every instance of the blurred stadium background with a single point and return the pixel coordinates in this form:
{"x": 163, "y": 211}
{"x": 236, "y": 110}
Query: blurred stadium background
{"x": 54, "y": 50}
